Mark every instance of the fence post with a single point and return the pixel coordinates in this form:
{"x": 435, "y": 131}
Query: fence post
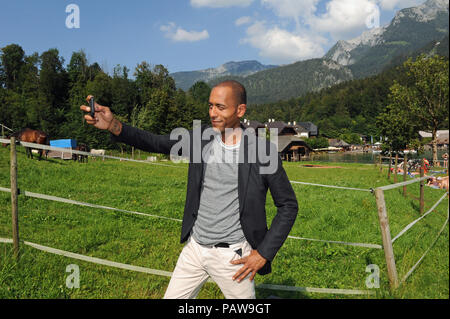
{"x": 381, "y": 164}
{"x": 395, "y": 168}
{"x": 14, "y": 198}
{"x": 422, "y": 183}
{"x": 405, "y": 172}
{"x": 386, "y": 236}
{"x": 390, "y": 165}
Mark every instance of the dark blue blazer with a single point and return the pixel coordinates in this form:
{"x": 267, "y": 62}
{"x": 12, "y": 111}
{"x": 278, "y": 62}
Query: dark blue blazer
{"x": 252, "y": 191}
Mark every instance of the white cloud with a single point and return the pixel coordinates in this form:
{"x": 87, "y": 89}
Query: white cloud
{"x": 341, "y": 20}
{"x": 178, "y": 34}
{"x": 220, "y": 3}
{"x": 292, "y": 8}
{"x": 398, "y": 4}
{"x": 345, "y": 19}
{"x": 243, "y": 20}
{"x": 282, "y": 46}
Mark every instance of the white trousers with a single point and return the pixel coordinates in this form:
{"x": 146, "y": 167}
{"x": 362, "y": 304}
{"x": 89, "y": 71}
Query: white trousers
{"x": 197, "y": 263}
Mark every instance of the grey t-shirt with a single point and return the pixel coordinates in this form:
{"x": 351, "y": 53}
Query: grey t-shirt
{"x": 218, "y": 215}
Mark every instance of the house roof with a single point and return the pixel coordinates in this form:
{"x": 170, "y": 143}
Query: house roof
{"x": 285, "y": 141}
{"x": 310, "y": 126}
{"x": 281, "y": 127}
{"x": 337, "y": 143}
{"x": 253, "y": 124}
{"x": 276, "y": 124}
{"x": 300, "y": 129}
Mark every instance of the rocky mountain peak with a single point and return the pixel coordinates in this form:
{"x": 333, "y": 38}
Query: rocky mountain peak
{"x": 424, "y": 12}
{"x": 350, "y": 51}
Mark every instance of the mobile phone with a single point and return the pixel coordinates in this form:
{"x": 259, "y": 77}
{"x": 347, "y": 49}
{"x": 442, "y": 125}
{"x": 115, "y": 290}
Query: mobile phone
{"x": 92, "y": 106}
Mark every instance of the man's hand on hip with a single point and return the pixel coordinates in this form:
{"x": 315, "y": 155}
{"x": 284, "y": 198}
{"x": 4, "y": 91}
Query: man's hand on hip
{"x": 252, "y": 263}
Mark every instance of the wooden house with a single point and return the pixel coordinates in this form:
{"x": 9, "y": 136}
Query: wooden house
{"x": 292, "y": 148}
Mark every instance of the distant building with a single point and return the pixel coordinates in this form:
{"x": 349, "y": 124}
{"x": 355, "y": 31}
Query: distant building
{"x": 313, "y": 130}
{"x": 441, "y": 136}
{"x": 301, "y": 130}
{"x": 339, "y": 144}
{"x": 290, "y": 128}
{"x": 291, "y": 145}
{"x": 281, "y": 127}
{"x": 292, "y": 148}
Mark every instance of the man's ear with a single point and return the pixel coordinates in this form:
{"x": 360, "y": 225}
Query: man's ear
{"x": 241, "y": 109}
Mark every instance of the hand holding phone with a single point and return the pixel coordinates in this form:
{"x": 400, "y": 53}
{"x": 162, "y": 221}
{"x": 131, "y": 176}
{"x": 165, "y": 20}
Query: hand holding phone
{"x": 97, "y": 115}
{"x": 92, "y": 106}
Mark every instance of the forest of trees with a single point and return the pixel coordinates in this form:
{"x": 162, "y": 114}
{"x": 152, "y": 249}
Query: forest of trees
{"x": 38, "y": 92}
{"x": 343, "y": 109}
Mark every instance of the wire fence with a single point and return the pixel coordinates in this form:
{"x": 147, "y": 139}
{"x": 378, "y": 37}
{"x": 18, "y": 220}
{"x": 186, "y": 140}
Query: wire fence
{"x": 3, "y": 129}
{"x": 381, "y": 205}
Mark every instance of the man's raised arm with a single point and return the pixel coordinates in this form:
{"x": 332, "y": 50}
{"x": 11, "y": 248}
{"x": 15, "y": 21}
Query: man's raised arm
{"x": 146, "y": 141}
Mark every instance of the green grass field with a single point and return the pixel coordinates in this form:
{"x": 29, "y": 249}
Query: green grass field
{"x": 324, "y": 213}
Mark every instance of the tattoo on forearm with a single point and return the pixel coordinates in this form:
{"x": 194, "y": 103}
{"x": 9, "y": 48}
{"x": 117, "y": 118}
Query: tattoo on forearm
{"x": 115, "y": 127}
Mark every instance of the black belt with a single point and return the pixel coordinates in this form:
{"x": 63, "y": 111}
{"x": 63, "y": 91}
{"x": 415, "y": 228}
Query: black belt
{"x": 222, "y": 245}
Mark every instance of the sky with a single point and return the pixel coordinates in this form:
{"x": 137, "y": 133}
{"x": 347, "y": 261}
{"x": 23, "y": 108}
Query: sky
{"x": 186, "y": 35}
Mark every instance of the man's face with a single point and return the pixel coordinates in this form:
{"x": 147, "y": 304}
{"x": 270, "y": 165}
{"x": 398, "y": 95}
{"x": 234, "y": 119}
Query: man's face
{"x": 224, "y": 110}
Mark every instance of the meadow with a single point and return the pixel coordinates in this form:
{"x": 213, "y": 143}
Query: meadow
{"x": 324, "y": 213}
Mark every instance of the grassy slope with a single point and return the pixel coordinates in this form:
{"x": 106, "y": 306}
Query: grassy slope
{"x": 324, "y": 214}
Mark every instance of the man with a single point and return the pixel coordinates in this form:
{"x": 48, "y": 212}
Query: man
{"x": 224, "y": 220}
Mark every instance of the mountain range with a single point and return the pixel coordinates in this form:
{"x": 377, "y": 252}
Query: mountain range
{"x": 184, "y": 80}
{"x": 421, "y": 28}
{"x": 291, "y": 80}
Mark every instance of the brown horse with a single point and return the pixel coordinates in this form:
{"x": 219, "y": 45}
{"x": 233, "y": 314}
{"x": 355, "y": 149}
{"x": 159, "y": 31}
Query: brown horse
{"x": 32, "y": 136}
{"x": 81, "y": 158}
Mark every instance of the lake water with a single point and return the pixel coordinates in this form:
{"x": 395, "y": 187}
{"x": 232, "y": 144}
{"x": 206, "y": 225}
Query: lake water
{"x": 367, "y": 158}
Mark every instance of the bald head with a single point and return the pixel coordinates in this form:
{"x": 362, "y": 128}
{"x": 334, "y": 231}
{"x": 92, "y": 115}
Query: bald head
{"x": 239, "y": 93}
